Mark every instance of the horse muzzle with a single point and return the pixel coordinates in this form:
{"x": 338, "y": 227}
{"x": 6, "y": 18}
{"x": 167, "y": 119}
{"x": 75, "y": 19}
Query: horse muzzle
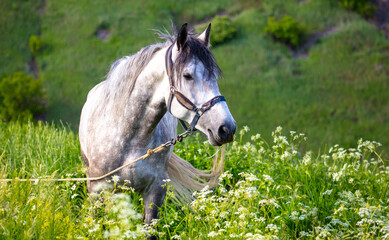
{"x": 223, "y": 134}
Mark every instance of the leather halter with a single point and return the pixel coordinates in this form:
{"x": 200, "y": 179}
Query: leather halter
{"x": 184, "y": 101}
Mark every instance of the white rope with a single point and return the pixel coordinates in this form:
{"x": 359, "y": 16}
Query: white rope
{"x": 148, "y": 154}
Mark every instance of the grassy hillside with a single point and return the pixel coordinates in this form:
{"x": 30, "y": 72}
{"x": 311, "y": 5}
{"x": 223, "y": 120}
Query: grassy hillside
{"x": 336, "y": 92}
{"x": 18, "y": 21}
{"x": 268, "y": 191}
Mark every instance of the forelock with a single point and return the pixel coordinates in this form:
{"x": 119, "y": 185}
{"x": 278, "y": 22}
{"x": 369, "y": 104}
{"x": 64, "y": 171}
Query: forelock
{"x": 196, "y": 49}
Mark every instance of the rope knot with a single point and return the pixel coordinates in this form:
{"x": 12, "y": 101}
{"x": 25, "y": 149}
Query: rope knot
{"x": 150, "y": 152}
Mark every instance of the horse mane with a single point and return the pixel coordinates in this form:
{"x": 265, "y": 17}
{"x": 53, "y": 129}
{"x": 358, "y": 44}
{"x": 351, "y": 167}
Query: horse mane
{"x": 125, "y": 71}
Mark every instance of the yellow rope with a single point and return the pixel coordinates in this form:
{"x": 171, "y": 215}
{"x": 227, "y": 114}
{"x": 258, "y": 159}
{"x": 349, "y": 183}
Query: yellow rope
{"x": 148, "y": 154}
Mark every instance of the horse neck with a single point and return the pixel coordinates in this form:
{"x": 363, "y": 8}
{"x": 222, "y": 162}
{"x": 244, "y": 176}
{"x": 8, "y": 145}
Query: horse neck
{"x": 145, "y": 106}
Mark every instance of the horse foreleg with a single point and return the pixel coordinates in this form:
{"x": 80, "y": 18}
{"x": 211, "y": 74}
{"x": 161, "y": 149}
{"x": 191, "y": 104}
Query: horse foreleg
{"x": 153, "y": 200}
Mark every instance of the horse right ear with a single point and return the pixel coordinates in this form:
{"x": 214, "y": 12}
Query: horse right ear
{"x": 205, "y": 36}
{"x": 182, "y": 36}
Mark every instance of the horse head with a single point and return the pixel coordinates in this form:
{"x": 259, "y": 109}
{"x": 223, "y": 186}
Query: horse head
{"x": 194, "y": 94}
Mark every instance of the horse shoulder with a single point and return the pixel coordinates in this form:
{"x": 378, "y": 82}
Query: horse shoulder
{"x": 95, "y": 88}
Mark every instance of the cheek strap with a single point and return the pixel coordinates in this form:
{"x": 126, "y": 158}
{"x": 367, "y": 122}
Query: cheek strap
{"x": 184, "y": 101}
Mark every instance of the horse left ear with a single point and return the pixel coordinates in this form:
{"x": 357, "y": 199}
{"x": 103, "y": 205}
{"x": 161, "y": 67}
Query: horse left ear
{"x": 182, "y": 36}
{"x": 205, "y": 36}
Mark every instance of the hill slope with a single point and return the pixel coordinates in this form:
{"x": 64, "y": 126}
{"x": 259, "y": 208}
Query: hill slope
{"x": 336, "y": 92}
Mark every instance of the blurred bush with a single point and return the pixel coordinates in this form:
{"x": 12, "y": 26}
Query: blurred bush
{"x": 35, "y": 44}
{"x": 363, "y": 7}
{"x": 222, "y": 30}
{"x": 286, "y": 30}
{"x": 21, "y": 97}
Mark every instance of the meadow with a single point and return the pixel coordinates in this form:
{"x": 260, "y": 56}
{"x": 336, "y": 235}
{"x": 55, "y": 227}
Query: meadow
{"x": 269, "y": 190}
{"x": 334, "y": 90}
{"x": 323, "y": 175}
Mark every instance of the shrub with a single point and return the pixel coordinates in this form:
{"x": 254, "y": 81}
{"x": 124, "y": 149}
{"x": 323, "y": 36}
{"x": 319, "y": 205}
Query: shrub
{"x": 363, "y": 7}
{"x": 35, "y": 44}
{"x": 286, "y": 30}
{"x": 21, "y": 97}
{"x": 223, "y": 29}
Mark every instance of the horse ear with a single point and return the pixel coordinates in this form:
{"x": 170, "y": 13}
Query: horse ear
{"x": 206, "y": 35}
{"x": 182, "y": 36}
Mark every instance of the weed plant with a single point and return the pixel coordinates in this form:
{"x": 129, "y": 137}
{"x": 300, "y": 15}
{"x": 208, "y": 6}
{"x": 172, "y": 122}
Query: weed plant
{"x": 286, "y": 30}
{"x": 21, "y": 97}
{"x": 268, "y": 191}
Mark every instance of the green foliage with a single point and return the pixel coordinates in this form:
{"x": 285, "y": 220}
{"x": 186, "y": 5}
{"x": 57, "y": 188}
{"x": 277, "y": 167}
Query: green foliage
{"x": 21, "y": 97}
{"x": 286, "y": 30}
{"x": 223, "y": 29}
{"x": 363, "y": 7}
{"x": 35, "y": 44}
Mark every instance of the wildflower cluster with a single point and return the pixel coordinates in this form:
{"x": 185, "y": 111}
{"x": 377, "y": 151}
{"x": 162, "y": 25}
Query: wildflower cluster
{"x": 279, "y": 192}
{"x": 268, "y": 191}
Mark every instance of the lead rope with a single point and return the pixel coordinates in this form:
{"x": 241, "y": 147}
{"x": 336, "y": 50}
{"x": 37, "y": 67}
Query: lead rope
{"x": 150, "y": 152}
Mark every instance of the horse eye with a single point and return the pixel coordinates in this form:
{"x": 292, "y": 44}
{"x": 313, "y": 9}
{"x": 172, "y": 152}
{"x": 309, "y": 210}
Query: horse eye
{"x": 188, "y": 76}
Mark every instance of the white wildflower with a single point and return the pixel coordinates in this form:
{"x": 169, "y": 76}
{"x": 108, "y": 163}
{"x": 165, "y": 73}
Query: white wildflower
{"x": 249, "y": 177}
{"x": 268, "y": 178}
{"x": 213, "y": 234}
{"x": 226, "y": 174}
{"x": 261, "y": 219}
{"x": 115, "y": 178}
{"x": 273, "y": 227}
{"x": 307, "y": 158}
{"x": 131, "y": 234}
{"x": 327, "y": 192}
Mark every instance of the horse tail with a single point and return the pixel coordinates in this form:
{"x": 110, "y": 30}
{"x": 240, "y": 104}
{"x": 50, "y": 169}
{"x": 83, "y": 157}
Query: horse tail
{"x": 186, "y": 179}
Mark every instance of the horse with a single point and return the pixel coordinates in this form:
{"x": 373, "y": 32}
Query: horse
{"x": 136, "y": 108}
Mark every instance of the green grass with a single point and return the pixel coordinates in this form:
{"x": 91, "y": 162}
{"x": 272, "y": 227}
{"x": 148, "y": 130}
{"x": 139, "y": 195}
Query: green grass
{"x": 336, "y": 94}
{"x": 268, "y": 190}
{"x": 18, "y": 21}
{"x": 275, "y": 186}
{"x": 36, "y": 150}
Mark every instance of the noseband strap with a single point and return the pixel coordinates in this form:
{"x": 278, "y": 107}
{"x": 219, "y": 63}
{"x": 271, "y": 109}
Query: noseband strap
{"x": 184, "y": 101}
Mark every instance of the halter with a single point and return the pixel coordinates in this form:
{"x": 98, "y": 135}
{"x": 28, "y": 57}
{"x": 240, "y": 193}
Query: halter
{"x": 184, "y": 101}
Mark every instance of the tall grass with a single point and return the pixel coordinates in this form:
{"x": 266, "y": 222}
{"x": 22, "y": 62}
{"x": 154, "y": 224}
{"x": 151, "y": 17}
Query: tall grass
{"x": 34, "y": 150}
{"x": 268, "y": 191}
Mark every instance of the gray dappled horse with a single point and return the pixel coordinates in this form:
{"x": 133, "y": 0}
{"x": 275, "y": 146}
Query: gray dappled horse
{"x": 136, "y": 107}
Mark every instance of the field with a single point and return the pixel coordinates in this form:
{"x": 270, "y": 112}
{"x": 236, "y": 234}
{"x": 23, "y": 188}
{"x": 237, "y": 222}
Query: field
{"x": 268, "y": 191}
{"x": 323, "y": 175}
{"x": 334, "y": 90}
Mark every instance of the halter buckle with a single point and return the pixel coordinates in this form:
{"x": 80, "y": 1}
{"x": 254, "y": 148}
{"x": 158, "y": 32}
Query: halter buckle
{"x": 172, "y": 89}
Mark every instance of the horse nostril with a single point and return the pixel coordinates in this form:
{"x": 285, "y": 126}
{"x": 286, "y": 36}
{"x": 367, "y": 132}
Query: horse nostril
{"x": 223, "y": 132}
